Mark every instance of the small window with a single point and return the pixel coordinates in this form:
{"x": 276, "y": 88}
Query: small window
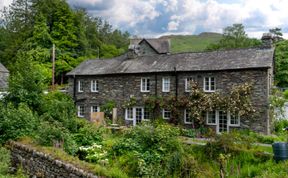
{"x": 146, "y": 114}
{"x": 209, "y": 84}
{"x": 187, "y": 117}
{"x": 81, "y": 110}
{"x": 95, "y": 109}
{"x": 234, "y": 120}
{"x": 94, "y": 86}
{"x": 80, "y": 86}
{"x": 145, "y": 85}
{"x": 129, "y": 114}
{"x": 166, "y": 114}
{"x": 211, "y": 117}
{"x": 188, "y": 82}
{"x": 165, "y": 84}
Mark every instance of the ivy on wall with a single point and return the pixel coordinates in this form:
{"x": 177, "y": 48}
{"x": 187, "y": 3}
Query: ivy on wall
{"x": 237, "y": 101}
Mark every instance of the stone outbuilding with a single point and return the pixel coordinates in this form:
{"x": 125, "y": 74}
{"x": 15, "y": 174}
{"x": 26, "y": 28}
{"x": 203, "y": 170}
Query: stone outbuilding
{"x": 148, "y": 69}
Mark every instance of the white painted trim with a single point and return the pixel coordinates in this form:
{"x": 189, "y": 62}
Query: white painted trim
{"x": 79, "y": 112}
{"x": 145, "y": 87}
{"x": 163, "y": 86}
{"x": 98, "y": 108}
{"x": 234, "y": 125}
{"x": 96, "y": 86}
{"x": 186, "y": 84}
{"x": 126, "y": 114}
{"x": 185, "y": 122}
{"x": 163, "y": 115}
{"x": 207, "y": 118}
{"x": 80, "y": 83}
{"x": 209, "y": 85}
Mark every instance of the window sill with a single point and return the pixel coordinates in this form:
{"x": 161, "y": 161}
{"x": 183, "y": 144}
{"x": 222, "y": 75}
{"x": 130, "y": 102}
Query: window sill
{"x": 145, "y": 91}
{"x": 94, "y": 91}
{"x": 214, "y": 124}
{"x": 209, "y": 91}
{"x": 190, "y": 123}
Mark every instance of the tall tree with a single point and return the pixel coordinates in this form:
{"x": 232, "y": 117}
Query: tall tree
{"x": 234, "y": 37}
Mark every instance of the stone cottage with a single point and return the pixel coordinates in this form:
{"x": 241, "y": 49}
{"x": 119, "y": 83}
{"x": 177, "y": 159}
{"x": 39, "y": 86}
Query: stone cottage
{"x": 148, "y": 69}
{"x": 4, "y": 74}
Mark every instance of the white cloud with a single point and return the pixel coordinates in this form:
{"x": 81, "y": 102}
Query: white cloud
{"x": 173, "y": 26}
{"x": 148, "y": 17}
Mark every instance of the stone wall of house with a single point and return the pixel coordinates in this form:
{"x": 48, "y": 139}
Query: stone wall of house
{"x": 38, "y": 164}
{"x": 120, "y": 88}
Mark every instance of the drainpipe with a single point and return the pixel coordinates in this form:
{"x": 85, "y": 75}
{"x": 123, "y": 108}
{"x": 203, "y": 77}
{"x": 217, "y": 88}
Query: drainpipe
{"x": 176, "y": 82}
{"x": 156, "y": 92}
{"x": 74, "y": 88}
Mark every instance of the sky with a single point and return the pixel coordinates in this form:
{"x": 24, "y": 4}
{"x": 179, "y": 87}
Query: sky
{"x": 153, "y": 18}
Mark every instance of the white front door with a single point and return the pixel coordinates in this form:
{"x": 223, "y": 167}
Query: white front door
{"x": 222, "y": 121}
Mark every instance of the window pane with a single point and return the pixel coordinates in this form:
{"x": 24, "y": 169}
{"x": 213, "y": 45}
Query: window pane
{"x": 166, "y": 84}
{"x": 146, "y": 114}
{"x": 188, "y": 118}
{"x": 95, "y": 109}
{"x": 80, "y": 111}
{"x": 80, "y": 85}
{"x": 166, "y": 114}
{"x": 234, "y": 119}
{"x": 211, "y": 117}
{"x": 189, "y": 81}
{"x": 129, "y": 112}
{"x": 147, "y": 84}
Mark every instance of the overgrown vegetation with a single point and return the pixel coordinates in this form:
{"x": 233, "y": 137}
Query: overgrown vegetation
{"x": 29, "y": 28}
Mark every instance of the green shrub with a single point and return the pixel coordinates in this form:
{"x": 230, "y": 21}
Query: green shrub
{"x": 17, "y": 122}
{"x": 152, "y": 150}
{"x": 88, "y": 133}
{"x": 279, "y": 125}
{"x": 59, "y": 107}
{"x": 53, "y": 135}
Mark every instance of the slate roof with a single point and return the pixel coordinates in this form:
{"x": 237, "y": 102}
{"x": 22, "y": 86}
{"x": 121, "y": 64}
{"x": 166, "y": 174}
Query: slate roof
{"x": 204, "y": 61}
{"x": 3, "y": 78}
{"x": 3, "y": 69}
{"x": 161, "y": 46}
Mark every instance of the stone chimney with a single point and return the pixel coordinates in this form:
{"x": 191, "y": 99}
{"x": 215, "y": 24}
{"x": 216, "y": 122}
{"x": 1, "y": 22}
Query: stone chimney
{"x": 267, "y": 40}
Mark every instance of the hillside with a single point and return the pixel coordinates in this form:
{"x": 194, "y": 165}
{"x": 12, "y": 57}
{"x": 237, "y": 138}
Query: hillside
{"x": 192, "y": 43}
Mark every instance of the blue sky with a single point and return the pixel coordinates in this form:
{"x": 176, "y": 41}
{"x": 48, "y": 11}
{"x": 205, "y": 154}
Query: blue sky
{"x": 152, "y": 18}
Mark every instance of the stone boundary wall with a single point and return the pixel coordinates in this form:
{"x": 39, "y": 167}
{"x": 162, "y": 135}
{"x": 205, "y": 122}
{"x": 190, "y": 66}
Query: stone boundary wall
{"x": 38, "y": 164}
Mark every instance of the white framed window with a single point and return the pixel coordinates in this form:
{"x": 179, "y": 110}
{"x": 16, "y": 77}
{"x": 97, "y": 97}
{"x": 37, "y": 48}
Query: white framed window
{"x": 95, "y": 109}
{"x": 137, "y": 113}
{"x": 165, "y": 84}
{"x": 211, "y": 118}
{"x": 187, "y": 117}
{"x": 129, "y": 114}
{"x": 80, "y": 111}
{"x": 80, "y": 85}
{"x": 94, "y": 86}
{"x": 188, "y": 82}
{"x": 166, "y": 114}
{"x": 234, "y": 119}
{"x": 209, "y": 84}
{"x": 145, "y": 85}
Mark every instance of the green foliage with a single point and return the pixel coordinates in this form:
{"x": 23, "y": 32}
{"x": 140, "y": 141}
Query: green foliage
{"x": 94, "y": 153}
{"x": 107, "y": 108}
{"x": 54, "y": 135}
{"x": 31, "y": 27}
{"x": 281, "y": 63}
{"x": 280, "y": 126}
{"x": 59, "y": 107}
{"x": 152, "y": 150}
{"x": 234, "y": 37}
{"x": 16, "y": 122}
{"x": 88, "y": 134}
{"x": 26, "y": 84}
